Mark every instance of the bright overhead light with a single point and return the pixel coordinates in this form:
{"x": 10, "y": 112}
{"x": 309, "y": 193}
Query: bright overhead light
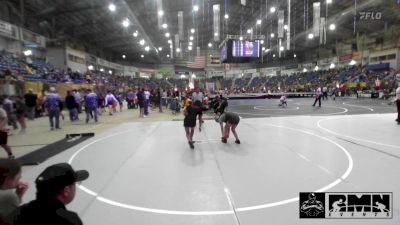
{"x": 101, "y": 70}
{"x": 210, "y": 55}
{"x": 272, "y": 9}
{"x": 192, "y": 31}
{"x": 168, "y": 55}
{"x": 316, "y": 68}
{"x": 294, "y": 55}
{"x": 310, "y": 36}
{"x": 165, "y": 26}
{"x": 262, "y": 42}
{"x": 258, "y": 22}
{"x": 195, "y": 8}
{"x": 183, "y": 76}
{"x": 159, "y": 48}
{"x": 332, "y": 66}
{"x": 190, "y": 48}
{"x": 126, "y": 23}
{"x": 285, "y": 27}
{"x": 267, "y": 50}
{"x": 27, "y": 52}
{"x": 178, "y": 50}
{"x": 135, "y": 34}
{"x": 190, "y": 43}
{"x": 147, "y": 48}
{"x": 193, "y": 75}
{"x": 142, "y": 42}
{"x": 352, "y": 62}
{"x": 216, "y": 34}
{"x": 141, "y": 56}
{"x": 110, "y": 71}
{"x": 226, "y": 16}
{"x": 274, "y": 55}
{"x": 167, "y": 35}
{"x": 90, "y": 67}
{"x": 112, "y": 7}
{"x": 169, "y": 41}
{"x": 304, "y": 70}
{"x": 160, "y": 13}
{"x": 248, "y": 31}
{"x": 328, "y": 1}
{"x": 281, "y": 48}
{"x": 332, "y": 27}
{"x": 263, "y": 48}
{"x": 272, "y": 35}
{"x": 241, "y": 38}
{"x": 210, "y": 45}
{"x": 191, "y": 38}
{"x": 123, "y": 56}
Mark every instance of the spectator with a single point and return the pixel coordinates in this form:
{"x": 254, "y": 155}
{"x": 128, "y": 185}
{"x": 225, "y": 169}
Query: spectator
{"x": 91, "y": 105}
{"x": 56, "y": 187}
{"x": 10, "y": 108}
{"x": 20, "y": 110}
{"x": 71, "y": 106}
{"x": 11, "y": 189}
{"x": 30, "y": 102}
{"x": 4, "y": 132}
{"x": 52, "y": 102}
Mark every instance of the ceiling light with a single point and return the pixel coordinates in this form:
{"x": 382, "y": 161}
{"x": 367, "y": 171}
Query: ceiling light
{"x": 226, "y": 16}
{"x": 262, "y": 42}
{"x": 332, "y": 27}
{"x": 285, "y": 27}
{"x": 165, "y": 26}
{"x": 183, "y": 76}
{"x": 267, "y": 50}
{"x": 169, "y": 41}
{"x": 167, "y": 55}
{"x": 126, "y": 22}
{"x": 142, "y": 42}
{"x": 190, "y": 48}
{"x": 328, "y": 1}
{"x": 216, "y": 34}
{"x": 258, "y": 22}
{"x": 272, "y": 9}
{"x": 159, "y": 48}
{"x": 112, "y": 7}
{"x": 123, "y": 56}
{"x": 281, "y": 48}
{"x": 110, "y": 71}
{"x": 167, "y": 35}
{"x": 195, "y": 8}
{"x": 263, "y": 48}
{"x": 190, "y": 43}
{"x": 193, "y": 75}
{"x": 316, "y": 68}
{"x": 135, "y": 34}
{"x": 210, "y": 45}
{"x": 304, "y": 70}
{"x": 241, "y": 38}
{"x": 141, "y": 56}
{"x": 210, "y": 55}
{"x": 310, "y": 36}
{"x": 90, "y": 67}
{"x": 272, "y": 35}
{"x": 147, "y": 48}
{"x": 248, "y": 31}
{"x": 294, "y": 55}
{"x": 273, "y": 55}
{"x": 160, "y": 13}
{"x": 192, "y": 31}
{"x": 101, "y": 70}
{"x": 178, "y": 50}
{"x": 332, "y": 66}
{"x": 352, "y": 62}
{"x": 191, "y": 38}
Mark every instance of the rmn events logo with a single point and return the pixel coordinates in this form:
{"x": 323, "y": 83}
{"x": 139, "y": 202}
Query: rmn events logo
{"x": 347, "y": 205}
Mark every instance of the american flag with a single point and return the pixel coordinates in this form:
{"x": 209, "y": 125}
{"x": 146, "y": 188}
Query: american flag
{"x": 199, "y": 63}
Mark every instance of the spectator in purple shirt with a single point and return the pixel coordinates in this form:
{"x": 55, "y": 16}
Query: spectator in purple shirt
{"x": 91, "y": 105}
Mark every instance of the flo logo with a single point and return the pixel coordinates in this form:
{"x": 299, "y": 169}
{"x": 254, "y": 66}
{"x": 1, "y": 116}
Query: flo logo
{"x": 312, "y": 205}
{"x": 359, "y": 205}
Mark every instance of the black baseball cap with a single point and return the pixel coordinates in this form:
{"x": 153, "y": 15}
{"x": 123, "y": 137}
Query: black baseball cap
{"x": 54, "y": 178}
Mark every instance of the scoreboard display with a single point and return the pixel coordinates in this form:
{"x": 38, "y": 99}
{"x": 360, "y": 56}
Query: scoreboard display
{"x": 240, "y": 51}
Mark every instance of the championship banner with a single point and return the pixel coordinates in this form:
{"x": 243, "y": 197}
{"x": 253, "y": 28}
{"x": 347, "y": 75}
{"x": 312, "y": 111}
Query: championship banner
{"x": 316, "y": 18}
{"x": 180, "y": 25}
{"x": 288, "y": 29}
{"x": 159, "y": 18}
{"x": 177, "y": 44}
{"x": 281, "y": 20}
{"x": 322, "y": 31}
{"x": 216, "y": 11}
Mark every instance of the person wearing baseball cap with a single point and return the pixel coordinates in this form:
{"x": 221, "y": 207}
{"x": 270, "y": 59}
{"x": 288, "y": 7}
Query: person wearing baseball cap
{"x": 56, "y": 187}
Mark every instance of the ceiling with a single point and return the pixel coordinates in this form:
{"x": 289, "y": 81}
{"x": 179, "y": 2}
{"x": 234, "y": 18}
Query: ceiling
{"x": 91, "y": 22}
